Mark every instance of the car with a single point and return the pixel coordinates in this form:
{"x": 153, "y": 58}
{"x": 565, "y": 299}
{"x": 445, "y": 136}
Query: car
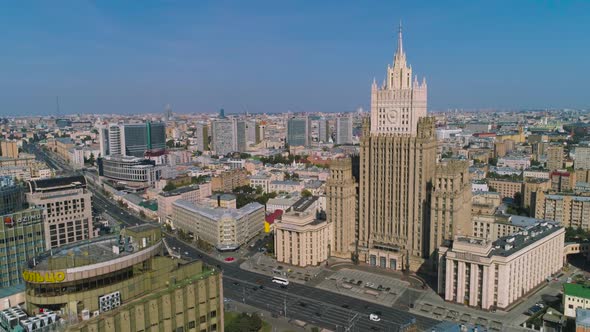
{"x": 186, "y": 252}
{"x": 374, "y": 318}
{"x": 345, "y": 306}
{"x": 236, "y": 283}
{"x": 302, "y": 304}
{"x": 261, "y": 286}
{"x": 254, "y": 288}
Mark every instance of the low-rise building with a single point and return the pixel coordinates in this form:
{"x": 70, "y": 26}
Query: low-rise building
{"x": 506, "y": 188}
{"x": 287, "y": 186}
{"x": 575, "y": 297}
{"x": 517, "y": 162}
{"x": 131, "y": 172}
{"x": 226, "y": 229}
{"x": 226, "y": 181}
{"x": 193, "y": 194}
{"x": 494, "y": 274}
{"x": 301, "y": 239}
{"x": 260, "y": 180}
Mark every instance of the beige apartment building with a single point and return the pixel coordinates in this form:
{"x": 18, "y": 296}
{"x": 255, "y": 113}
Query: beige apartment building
{"x": 68, "y": 208}
{"x": 555, "y": 157}
{"x": 506, "y": 188}
{"x": 226, "y": 181}
{"x": 301, "y": 239}
{"x": 567, "y": 209}
{"x": 341, "y": 207}
{"x": 494, "y": 274}
{"x": 562, "y": 181}
{"x": 226, "y": 229}
{"x": 450, "y": 210}
{"x": 532, "y": 187}
{"x": 9, "y": 149}
{"x": 194, "y": 194}
{"x": 485, "y": 202}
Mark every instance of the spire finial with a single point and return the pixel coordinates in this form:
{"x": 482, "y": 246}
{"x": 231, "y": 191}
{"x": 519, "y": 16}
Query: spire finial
{"x": 400, "y": 44}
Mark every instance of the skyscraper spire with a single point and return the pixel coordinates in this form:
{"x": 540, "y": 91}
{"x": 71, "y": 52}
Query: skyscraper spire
{"x": 400, "y": 41}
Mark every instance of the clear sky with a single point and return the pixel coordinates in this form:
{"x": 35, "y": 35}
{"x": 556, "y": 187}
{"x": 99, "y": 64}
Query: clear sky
{"x": 274, "y": 56}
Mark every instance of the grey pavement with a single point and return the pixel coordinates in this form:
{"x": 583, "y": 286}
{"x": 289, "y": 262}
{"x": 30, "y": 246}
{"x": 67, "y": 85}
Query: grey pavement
{"x": 264, "y": 264}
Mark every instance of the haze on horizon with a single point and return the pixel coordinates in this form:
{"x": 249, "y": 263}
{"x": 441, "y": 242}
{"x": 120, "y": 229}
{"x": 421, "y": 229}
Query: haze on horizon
{"x": 269, "y": 56}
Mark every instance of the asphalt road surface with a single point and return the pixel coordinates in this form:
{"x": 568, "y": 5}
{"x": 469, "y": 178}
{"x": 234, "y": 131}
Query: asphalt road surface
{"x": 317, "y": 306}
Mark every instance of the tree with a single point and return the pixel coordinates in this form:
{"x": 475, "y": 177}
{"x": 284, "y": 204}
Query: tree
{"x": 91, "y": 159}
{"x": 259, "y": 190}
{"x": 244, "y": 323}
{"x": 493, "y": 161}
{"x": 170, "y": 144}
{"x": 306, "y": 193}
{"x": 142, "y": 215}
{"x": 169, "y": 187}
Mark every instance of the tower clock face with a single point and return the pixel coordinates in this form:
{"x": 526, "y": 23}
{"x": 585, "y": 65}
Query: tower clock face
{"x": 392, "y": 116}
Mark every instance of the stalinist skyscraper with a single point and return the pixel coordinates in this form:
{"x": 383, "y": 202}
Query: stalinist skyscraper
{"x": 397, "y": 165}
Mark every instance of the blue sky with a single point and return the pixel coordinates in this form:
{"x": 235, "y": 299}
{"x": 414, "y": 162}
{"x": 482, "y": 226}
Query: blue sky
{"x": 275, "y": 56}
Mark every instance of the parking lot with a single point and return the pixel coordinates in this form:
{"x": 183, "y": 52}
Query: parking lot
{"x": 368, "y": 286}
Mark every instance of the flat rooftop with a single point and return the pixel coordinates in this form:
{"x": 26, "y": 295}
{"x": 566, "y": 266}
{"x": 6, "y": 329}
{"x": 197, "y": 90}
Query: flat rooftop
{"x": 80, "y": 254}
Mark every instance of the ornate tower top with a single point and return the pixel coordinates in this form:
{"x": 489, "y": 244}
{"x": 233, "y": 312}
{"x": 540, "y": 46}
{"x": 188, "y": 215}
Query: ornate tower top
{"x": 400, "y": 101}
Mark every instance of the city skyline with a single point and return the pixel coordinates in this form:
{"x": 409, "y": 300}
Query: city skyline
{"x": 125, "y": 58}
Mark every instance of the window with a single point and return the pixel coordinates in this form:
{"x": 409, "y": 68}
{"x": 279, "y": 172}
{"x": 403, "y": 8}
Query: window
{"x": 213, "y": 314}
{"x": 203, "y": 319}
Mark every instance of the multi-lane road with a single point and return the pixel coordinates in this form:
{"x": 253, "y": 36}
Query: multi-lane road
{"x": 299, "y": 302}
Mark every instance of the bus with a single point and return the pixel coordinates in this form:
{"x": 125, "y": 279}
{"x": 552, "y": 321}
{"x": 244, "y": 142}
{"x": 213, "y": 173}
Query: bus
{"x": 280, "y": 281}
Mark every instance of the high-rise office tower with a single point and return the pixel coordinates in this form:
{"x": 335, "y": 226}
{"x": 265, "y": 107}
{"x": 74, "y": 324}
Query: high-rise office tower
{"x": 298, "y": 131}
{"x": 222, "y": 136}
{"x": 68, "y": 206}
{"x": 202, "y": 136}
{"x": 397, "y": 164}
{"x": 450, "y": 212}
{"x": 341, "y": 207}
{"x": 21, "y": 239}
{"x": 239, "y": 128}
{"x": 344, "y": 129}
{"x": 323, "y": 130}
{"x": 168, "y": 112}
{"x": 252, "y": 132}
{"x": 142, "y": 137}
{"x": 132, "y": 139}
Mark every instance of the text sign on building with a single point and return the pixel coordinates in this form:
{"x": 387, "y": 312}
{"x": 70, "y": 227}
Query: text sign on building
{"x": 13, "y": 220}
{"x": 46, "y": 277}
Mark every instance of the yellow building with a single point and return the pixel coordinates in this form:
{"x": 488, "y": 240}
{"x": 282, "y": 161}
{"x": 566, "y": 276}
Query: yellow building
{"x": 125, "y": 284}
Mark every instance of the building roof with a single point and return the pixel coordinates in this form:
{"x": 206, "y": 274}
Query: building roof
{"x": 576, "y": 290}
{"x": 507, "y": 245}
{"x": 179, "y": 191}
{"x": 70, "y": 181}
{"x": 583, "y": 317}
{"x": 304, "y": 203}
{"x": 217, "y": 213}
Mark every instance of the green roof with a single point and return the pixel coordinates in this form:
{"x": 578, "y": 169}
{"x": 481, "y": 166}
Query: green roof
{"x": 576, "y": 290}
